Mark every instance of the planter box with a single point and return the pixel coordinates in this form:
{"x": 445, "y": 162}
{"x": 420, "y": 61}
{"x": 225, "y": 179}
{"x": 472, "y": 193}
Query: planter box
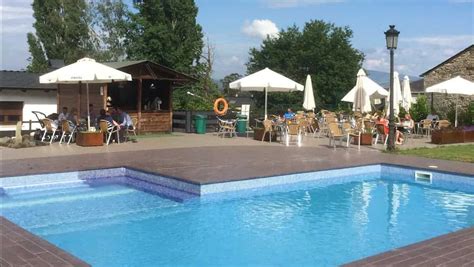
{"x": 90, "y": 139}
{"x": 447, "y": 136}
{"x": 468, "y": 136}
{"x": 365, "y": 139}
{"x": 258, "y": 133}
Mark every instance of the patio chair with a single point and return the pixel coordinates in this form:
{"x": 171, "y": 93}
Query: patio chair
{"x": 311, "y": 124}
{"x": 443, "y": 124}
{"x": 108, "y": 129}
{"x": 380, "y": 133}
{"x": 68, "y": 129}
{"x": 426, "y": 127}
{"x": 50, "y": 129}
{"x": 292, "y": 131}
{"x": 226, "y": 127}
{"x": 134, "y": 127}
{"x": 267, "y": 128}
{"x": 352, "y": 133}
{"x": 335, "y": 133}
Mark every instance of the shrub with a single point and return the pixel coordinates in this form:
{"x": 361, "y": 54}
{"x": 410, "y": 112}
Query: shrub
{"x": 419, "y": 110}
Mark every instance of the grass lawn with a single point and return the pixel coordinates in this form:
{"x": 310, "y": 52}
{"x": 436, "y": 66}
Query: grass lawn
{"x": 458, "y": 153}
{"x": 156, "y": 135}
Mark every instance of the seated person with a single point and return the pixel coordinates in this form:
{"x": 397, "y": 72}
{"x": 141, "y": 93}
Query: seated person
{"x": 64, "y": 115}
{"x": 289, "y": 114}
{"x": 104, "y": 116}
{"x": 408, "y": 122}
{"x": 398, "y": 135}
{"x": 432, "y": 116}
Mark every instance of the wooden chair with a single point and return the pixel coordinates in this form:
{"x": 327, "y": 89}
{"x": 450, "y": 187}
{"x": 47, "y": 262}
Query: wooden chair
{"x": 352, "y": 133}
{"x": 380, "y": 130}
{"x": 49, "y": 128}
{"x": 335, "y": 133}
{"x": 226, "y": 127}
{"x": 443, "y": 124}
{"x": 134, "y": 127}
{"x": 267, "y": 128}
{"x": 294, "y": 130}
{"x": 426, "y": 126}
{"x": 68, "y": 129}
{"x": 108, "y": 129}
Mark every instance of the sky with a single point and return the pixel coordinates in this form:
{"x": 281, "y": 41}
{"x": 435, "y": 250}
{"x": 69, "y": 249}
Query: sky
{"x": 430, "y": 30}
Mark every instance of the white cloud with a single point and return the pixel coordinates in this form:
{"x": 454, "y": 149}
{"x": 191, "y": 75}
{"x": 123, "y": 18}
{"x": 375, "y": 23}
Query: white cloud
{"x": 297, "y": 3}
{"x": 440, "y": 41}
{"x": 260, "y": 28}
{"x": 416, "y": 55}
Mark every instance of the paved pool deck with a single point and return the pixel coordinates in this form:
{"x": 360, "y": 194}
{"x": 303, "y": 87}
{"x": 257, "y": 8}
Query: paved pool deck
{"x": 205, "y": 159}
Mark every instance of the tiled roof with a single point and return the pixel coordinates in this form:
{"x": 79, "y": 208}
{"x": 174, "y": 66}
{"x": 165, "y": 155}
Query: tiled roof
{"x": 22, "y": 80}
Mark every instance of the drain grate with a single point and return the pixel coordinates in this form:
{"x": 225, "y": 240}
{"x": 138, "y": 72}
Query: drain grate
{"x": 423, "y": 177}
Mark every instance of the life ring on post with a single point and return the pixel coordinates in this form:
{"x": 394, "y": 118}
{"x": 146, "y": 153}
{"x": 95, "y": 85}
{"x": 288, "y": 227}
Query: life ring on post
{"x": 216, "y": 106}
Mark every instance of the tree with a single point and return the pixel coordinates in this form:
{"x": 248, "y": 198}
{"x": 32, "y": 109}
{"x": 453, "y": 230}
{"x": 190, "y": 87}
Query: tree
{"x": 166, "y": 32}
{"x": 62, "y": 30}
{"x": 38, "y": 62}
{"x": 205, "y": 90}
{"x": 419, "y": 109}
{"x": 109, "y": 24}
{"x": 227, "y": 80}
{"x": 322, "y": 50}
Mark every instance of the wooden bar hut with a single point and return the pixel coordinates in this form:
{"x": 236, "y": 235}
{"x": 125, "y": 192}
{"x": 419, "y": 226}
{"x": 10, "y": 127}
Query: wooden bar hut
{"x": 148, "y": 97}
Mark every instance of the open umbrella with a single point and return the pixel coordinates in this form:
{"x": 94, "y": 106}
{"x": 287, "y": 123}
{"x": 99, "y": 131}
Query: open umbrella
{"x": 397, "y": 95}
{"x": 406, "y": 94}
{"x": 266, "y": 80}
{"x": 457, "y": 86}
{"x": 308, "y": 102}
{"x": 85, "y": 70}
{"x": 364, "y": 90}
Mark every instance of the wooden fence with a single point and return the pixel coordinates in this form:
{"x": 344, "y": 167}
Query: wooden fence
{"x": 183, "y": 121}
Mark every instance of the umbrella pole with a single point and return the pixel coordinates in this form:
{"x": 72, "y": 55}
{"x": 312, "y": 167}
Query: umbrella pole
{"x": 456, "y": 113}
{"x": 88, "y": 115}
{"x": 266, "y": 98}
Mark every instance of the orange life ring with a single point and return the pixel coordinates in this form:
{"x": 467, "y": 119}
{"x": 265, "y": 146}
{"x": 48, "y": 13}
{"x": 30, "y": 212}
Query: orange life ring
{"x": 216, "y": 106}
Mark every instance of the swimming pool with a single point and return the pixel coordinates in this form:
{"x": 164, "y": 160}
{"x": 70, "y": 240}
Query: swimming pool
{"x": 319, "y": 222}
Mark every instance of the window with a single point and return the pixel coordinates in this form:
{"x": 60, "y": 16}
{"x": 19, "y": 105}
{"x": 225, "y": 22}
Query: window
{"x": 10, "y": 112}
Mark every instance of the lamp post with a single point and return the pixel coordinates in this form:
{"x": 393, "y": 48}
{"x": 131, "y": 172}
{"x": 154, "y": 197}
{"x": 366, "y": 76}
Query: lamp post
{"x": 391, "y": 36}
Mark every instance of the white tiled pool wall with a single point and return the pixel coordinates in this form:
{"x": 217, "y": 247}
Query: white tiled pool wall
{"x": 445, "y": 180}
{"x": 439, "y": 179}
{"x": 49, "y": 180}
{"x": 332, "y": 176}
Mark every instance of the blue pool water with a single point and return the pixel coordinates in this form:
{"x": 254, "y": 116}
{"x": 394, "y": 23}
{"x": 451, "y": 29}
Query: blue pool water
{"x": 326, "y": 225}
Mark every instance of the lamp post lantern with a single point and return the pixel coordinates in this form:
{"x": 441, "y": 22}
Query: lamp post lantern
{"x": 391, "y": 36}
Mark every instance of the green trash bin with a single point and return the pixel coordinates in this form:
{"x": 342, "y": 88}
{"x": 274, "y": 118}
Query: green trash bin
{"x": 241, "y": 123}
{"x": 200, "y": 122}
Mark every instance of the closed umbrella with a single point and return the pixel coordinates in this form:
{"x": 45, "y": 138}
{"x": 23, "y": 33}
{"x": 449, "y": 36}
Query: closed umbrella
{"x": 406, "y": 93}
{"x": 397, "y": 95}
{"x": 373, "y": 89}
{"x": 361, "y": 97}
{"x": 266, "y": 80}
{"x": 85, "y": 70}
{"x": 456, "y": 86}
{"x": 308, "y": 102}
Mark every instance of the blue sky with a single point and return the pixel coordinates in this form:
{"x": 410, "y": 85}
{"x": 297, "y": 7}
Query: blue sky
{"x": 431, "y": 30}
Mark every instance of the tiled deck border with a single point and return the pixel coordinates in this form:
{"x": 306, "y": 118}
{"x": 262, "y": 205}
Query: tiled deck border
{"x": 454, "y": 249}
{"x": 19, "y": 247}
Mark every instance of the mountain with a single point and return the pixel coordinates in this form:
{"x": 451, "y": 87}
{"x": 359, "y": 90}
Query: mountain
{"x": 383, "y": 78}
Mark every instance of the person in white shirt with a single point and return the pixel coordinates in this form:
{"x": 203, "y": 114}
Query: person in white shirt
{"x": 64, "y": 115}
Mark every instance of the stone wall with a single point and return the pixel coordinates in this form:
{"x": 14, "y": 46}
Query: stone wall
{"x": 462, "y": 65}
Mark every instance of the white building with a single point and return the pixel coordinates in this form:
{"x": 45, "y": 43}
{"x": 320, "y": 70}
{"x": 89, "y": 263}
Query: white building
{"x": 20, "y": 94}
